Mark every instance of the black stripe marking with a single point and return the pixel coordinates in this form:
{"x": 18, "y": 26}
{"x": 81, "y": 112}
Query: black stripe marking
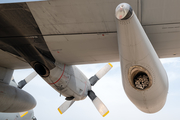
{"x": 129, "y": 14}
{"x": 91, "y": 95}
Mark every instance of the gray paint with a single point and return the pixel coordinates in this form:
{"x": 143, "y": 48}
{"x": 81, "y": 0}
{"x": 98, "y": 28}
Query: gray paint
{"x": 93, "y": 80}
{"x": 69, "y": 81}
{"x": 138, "y": 55}
{"x": 5, "y": 75}
{"x": 91, "y": 95}
{"x": 14, "y": 99}
{"x": 89, "y": 35}
{"x": 21, "y": 84}
{"x": 21, "y": 36}
{"x": 75, "y": 40}
{"x": 16, "y": 116}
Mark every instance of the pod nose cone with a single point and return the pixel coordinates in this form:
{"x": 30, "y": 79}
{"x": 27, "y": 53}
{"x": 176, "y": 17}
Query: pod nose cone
{"x": 123, "y": 11}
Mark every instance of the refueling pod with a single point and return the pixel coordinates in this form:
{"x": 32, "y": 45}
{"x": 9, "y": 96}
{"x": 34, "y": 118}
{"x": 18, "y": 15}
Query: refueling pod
{"x": 13, "y": 99}
{"x": 144, "y": 78}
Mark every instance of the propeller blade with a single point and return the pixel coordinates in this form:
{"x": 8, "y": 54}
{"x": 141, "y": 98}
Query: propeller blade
{"x": 65, "y": 106}
{"x": 22, "y": 83}
{"x": 100, "y": 74}
{"x": 104, "y": 70}
{"x": 22, "y": 114}
{"x": 98, "y": 103}
{"x": 30, "y": 77}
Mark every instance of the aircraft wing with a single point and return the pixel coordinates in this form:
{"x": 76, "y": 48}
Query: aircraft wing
{"x": 83, "y": 31}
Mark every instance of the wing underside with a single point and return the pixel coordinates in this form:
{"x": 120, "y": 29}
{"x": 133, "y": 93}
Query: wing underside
{"x": 83, "y": 32}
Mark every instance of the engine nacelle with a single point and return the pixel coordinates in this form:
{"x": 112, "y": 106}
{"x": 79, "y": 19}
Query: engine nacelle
{"x": 69, "y": 81}
{"x": 144, "y": 78}
{"x": 13, "y": 99}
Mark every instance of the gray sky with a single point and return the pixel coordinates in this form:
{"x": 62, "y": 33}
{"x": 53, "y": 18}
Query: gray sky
{"x": 109, "y": 89}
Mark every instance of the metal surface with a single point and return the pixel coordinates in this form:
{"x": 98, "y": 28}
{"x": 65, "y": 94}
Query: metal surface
{"x": 82, "y": 32}
{"x": 16, "y": 116}
{"x": 123, "y": 11}
{"x": 21, "y": 84}
{"x": 21, "y": 36}
{"x": 91, "y": 95}
{"x": 5, "y": 75}
{"x": 93, "y": 80}
{"x": 15, "y": 100}
{"x": 137, "y": 77}
{"x": 142, "y": 82}
{"x": 138, "y": 57}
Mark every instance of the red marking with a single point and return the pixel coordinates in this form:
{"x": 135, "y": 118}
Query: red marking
{"x": 102, "y": 34}
{"x": 1, "y": 92}
{"x": 120, "y": 16}
{"x": 57, "y": 51}
{"x": 60, "y": 76}
{"x": 66, "y": 78}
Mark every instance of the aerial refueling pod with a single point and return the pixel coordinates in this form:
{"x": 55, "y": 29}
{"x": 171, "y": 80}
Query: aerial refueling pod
{"x": 144, "y": 78}
{"x": 13, "y": 99}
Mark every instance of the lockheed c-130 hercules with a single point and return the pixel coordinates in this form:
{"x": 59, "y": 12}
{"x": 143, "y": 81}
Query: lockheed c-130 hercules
{"x": 53, "y": 45}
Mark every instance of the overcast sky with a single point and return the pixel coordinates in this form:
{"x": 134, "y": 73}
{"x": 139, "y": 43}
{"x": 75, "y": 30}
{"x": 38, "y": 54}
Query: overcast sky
{"x": 109, "y": 89}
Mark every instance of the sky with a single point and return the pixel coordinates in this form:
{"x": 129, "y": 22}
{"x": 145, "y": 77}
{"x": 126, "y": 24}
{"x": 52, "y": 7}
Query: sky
{"x": 109, "y": 89}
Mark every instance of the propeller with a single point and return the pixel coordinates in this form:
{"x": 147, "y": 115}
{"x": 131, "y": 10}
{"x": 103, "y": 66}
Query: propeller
{"x": 65, "y": 106}
{"x": 34, "y": 118}
{"x": 22, "y": 83}
{"x": 22, "y": 114}
{"x": 96, "y": 101}
{"x": 100, "y": 74}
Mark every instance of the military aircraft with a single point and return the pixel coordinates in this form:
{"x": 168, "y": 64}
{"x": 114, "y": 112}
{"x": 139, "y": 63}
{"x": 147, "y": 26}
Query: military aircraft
{"x": 53, "y": 36}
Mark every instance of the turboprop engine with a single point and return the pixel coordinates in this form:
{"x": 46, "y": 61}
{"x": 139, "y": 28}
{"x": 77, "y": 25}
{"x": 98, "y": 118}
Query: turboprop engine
{"x": 144, "y": 78}
{"x": 70, "y": 82}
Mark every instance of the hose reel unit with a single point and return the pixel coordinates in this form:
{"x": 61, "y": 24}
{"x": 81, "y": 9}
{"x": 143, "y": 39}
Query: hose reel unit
{"x": 139, "y": 78}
